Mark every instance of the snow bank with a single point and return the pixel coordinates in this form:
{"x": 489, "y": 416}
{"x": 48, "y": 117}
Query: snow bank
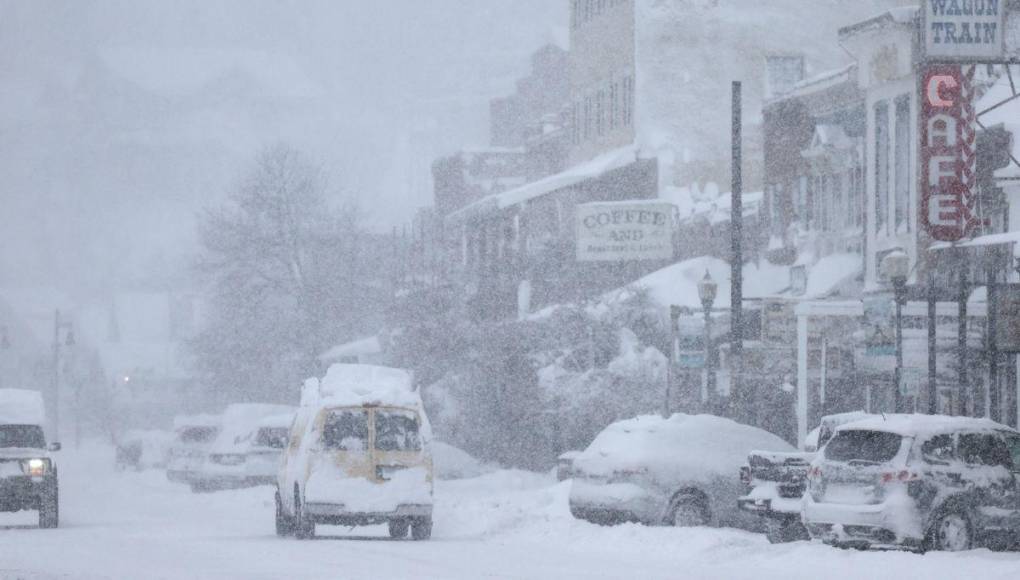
{"x": 687, "y": 447}
{"x": 21, "y": 407}
{"x": 451, "y": 462}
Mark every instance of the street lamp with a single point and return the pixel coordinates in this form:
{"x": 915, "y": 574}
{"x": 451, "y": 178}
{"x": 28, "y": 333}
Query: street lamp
{"x": 707, "y": 289}
{"x": 896, "y": 268}
{"x": 67, "y": 326}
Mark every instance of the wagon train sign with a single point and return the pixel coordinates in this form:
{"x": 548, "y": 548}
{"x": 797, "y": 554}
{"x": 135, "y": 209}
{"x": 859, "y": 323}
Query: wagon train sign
{"x": 964, "y": 30}
{"x": 624, "y": 231}
{"x": 948, "y": 151}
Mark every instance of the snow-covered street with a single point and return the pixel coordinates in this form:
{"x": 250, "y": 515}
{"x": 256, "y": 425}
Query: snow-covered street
{"x": 508, "y": 524}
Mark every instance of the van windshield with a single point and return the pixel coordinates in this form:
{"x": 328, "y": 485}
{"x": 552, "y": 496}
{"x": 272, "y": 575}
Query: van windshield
{"x": 396, "y": 431}
{"x": 346, "y": 430}
{"x": 25, "y": 436}
{"x": 863, "y": 446}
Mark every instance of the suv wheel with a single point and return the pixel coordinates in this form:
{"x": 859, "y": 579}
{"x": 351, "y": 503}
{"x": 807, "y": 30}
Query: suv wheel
{"x": 689, "y": 511}
{"x": 49, "y": 509}
{"x": 421, "y": 528}
{"x": 284, "y": 523}
{"x": 951, "y": 532}
{"x": 398, "y": 529}
{"x": 787, "y": 530}
{"x": 304, "y": 528}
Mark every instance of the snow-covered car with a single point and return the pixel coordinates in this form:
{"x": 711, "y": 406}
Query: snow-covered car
{"x": 140, "y": 449}
{"x": 775, "y": 481}
{"x": 193, "y": 435}
{"x": 226, "y": 463}
{"x": 565, "y": 465}
{"x": 916, "y": 482}
{"x": 675, "y": 471}
{"x": 359, "y": 454}
{"x": 266, "y": 449}
{"x": 28, "y": 473}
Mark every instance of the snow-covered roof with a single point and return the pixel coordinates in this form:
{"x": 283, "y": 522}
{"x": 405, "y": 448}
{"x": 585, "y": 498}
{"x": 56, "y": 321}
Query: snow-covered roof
{"x": 683, "y": 446}
{"x": 280, "y": 420}
{"x": 360, "y": 347}
{"x": 826, "y": 275}
{"x": 986, "y": 240}
{"x": 902, "y": 16}
{"x": 819, "y": 82}
{"x": 677, "y": 284}
{"x": 616, "y": 159}
{"x": 21, "y": 407}
{"x": 921, "y": 425}
{"x": 201, "y": 420}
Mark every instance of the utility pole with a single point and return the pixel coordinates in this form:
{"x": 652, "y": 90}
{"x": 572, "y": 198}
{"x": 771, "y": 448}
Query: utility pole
{"x": 961, "y": 344}
{"x": 932, "y": 346}
{"x": 743, "y": 403}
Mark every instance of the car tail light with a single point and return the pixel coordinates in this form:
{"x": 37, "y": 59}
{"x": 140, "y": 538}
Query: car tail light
{"x": 814, "y": 473}
{"x": 901, "y": 476}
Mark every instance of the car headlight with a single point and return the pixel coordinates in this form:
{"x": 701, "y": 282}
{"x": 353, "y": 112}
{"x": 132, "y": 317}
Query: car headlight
{"x": 35, "y": 467}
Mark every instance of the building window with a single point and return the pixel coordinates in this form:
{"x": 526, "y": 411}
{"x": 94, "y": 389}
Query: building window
{"x": 628, "y": 100}
{"x": 614, "y": 104}
{"x": 881, "y": 167}
{"x": 587, "y": 118}
{"x": 902, "y": 168}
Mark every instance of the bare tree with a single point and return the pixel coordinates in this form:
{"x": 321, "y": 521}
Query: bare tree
{"x": 286, "y": 274}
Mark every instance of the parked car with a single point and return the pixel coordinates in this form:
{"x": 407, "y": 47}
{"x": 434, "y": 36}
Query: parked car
{"x": 916, "y": 482}
{"x": 359, "y": 454}
{"x": 676, "y": 471}
{"x": 266, "y": 449}
{"x": 193, "y": 435}
{"x": 28, "y": 473}
{"x": 565, "y": 465}
{"x": 141, "y": 449}
{"x": 776, "y": 481}
{"x": 226, "y": 463}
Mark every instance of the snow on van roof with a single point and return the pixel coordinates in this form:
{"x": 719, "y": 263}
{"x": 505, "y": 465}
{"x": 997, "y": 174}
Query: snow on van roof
{"x": 21, "y": 407}
{"x": 350, "y": 384}
{"x": 921, "y": 425}
{"x": 200, "y": 420}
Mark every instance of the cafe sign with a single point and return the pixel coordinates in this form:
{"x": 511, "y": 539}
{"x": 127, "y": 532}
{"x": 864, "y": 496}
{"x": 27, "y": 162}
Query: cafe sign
{"x": 624, "y": 231}
{"x": 963, "y": 30}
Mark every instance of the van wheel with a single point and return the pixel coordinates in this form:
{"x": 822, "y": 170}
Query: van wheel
{"x": 398, "y": 529}
{"x": 421, "y": 528}
{"x": 284, "y": 523}
{"x": 951, "y": 532}
{"x": 49, "y": 509}
{"x": 689, "y": 511}
{"x": 304, "y": 528}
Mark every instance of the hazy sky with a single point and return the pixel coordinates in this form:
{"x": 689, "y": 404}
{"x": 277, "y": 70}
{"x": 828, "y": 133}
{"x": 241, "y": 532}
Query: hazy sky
{"x": 120, "y": 119}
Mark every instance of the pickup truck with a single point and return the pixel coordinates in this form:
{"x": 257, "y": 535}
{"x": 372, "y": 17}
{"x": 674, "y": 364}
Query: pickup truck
{"x": 775, "y": 482}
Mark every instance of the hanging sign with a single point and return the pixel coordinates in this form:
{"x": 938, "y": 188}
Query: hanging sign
{"x": 879, "y": 329}
{"x": 963, "y": 30}
{"x": 622, "y": 231}
{"x": 948, "y": 151}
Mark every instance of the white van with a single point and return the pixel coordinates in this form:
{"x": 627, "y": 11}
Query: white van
{"x": 225, "y": 464}
{"x": 359, "y": 454}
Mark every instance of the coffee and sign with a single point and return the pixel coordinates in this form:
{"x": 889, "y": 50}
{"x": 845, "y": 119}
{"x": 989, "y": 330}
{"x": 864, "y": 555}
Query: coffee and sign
{"x": 624, "y": 231}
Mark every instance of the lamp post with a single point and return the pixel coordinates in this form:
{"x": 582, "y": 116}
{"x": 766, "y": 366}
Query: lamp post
{"x": 674, "y": 324}
{"x": 896, "y": 268}
{"x": 67, "y": 326}
{"x": 707, "y": 289}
